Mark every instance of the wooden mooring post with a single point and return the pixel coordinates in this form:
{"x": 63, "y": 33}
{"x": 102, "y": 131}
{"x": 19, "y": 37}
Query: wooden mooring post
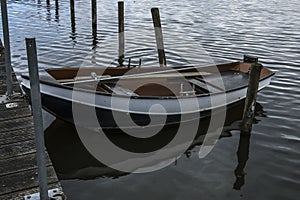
{"x": 37, "y": 116}
{"x": 2, "y": 54}
{"x": 7, "y": 54}
{"x": 56, "y": 11}
{"x": 94, "y": 17}
{"x": 72, "y": 12}
{"x": 121, "y": 32}
{"x": 72, "y": 15}
{"x": 159, "y": 37}
{"x": 249, "y": 109}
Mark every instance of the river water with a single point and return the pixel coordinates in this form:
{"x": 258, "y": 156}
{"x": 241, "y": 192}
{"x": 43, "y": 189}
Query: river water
{"x": 196, "y": 32}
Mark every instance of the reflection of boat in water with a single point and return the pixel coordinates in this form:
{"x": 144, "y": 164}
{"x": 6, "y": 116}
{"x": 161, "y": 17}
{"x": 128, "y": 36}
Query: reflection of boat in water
{"x": 183, "y": 92}
{"x": 234, "y": 116}
{"x": 73, "y": 161}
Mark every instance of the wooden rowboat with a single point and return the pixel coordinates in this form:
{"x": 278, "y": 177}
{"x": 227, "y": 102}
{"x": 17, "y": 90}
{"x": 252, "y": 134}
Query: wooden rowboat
{"x": 122, "y": 91}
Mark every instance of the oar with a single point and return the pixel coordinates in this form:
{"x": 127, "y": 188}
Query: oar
{"x": 171, "y": 75}
{"x": 134, "y": 75}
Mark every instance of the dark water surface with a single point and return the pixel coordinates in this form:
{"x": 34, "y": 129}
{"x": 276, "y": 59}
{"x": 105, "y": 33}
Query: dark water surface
{"x": 195, "y": 32}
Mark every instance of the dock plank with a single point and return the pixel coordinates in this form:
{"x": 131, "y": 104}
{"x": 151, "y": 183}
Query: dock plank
{"x": 14, "y": 113}
{"x": 24, "y": 180}
{"x": 17, "y": 149}
{"x": 3, "y": 87}
{"x": 20, "y": 163}
{"x": 16, "y": 136}
{"x": 15, "y": 124}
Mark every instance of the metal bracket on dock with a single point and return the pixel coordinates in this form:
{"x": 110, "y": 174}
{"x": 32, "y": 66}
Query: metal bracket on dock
{"x": 8, "y": 100}
{"x": 54, "y": 194}
{"x": 3, "y": 99}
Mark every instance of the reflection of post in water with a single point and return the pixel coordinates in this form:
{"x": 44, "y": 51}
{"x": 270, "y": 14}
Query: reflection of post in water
{"x": 95, "y": 39}
{"x": 242, "y": 155}
{"x": 56, "y": 11}
{"x": 72, "y": 14}
{"x": 94, "y": 55}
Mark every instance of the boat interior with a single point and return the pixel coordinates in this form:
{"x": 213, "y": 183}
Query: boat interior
{"x": 156, "y": 81}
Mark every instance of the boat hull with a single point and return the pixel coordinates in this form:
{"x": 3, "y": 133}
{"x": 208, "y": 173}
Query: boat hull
{"x": 61, "y": 103}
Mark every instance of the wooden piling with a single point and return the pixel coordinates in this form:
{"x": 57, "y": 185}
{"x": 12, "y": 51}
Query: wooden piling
{"x": 72, "y": 11}
{"x": 159, "y": 37}
{"x": 121, "y": 32}
{"x": 72, "y": 14}
{"x": 56, "y": 10}
{"x": 1, "y": 51}
{"x": 37, "y": 116}
{"x": 7, "y": 55}
{"x": 94, "y": 17}
{"x": 249, "y": 109}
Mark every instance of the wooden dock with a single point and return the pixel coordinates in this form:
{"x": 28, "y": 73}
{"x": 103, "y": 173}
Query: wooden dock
{"x": 18, "y": 168}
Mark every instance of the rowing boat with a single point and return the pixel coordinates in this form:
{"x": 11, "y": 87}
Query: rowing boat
{"x": 142, "y": 95}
